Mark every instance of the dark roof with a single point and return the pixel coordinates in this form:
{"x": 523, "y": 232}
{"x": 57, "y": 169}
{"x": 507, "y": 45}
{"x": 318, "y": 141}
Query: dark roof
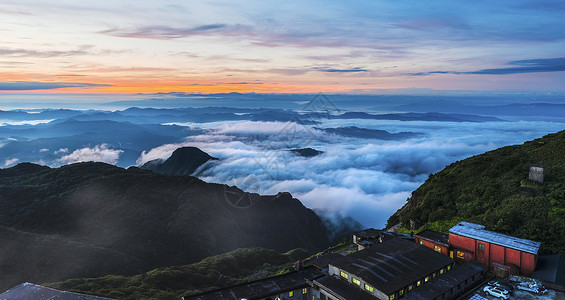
{"x": 28, "y": 290}
{"x": 447, "y": 281}
{"x": 342, "y": 289}
{"x": 324, "y": 260}
{"x": 393, "y": 264}
{"x": 478, "y": 232}
{"x": 551, "y": 268}
{"x": 369, "y": 232}
{"x": 433, "y": 236}
{"x": 264, "y": 287}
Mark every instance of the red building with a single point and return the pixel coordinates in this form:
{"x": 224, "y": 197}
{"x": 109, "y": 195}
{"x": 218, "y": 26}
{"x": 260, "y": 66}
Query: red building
{"x": 472, "y": 242}
{"x": 433, "y": 240}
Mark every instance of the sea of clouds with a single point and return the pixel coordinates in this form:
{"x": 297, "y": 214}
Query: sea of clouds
{"x": 366, "y": 179}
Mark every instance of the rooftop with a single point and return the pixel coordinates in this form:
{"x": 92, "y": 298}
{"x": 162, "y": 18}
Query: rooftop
{"x": 478, "y": 232}
{"x": 263, "y": 287}
{"x": 393, "y": 264}
{"x": 342, "y": 289}
{"x": 33, "y": 291}
{"x": 433, "y": 236}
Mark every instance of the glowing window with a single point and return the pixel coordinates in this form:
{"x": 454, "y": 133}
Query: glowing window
{"x": 356, "y": 281}
{"x": 437, "y": 248}
{"x": 434, "y": 275}
{"x": 291, "y": 293}
{"x": 448, "y": 268}
{"x": 401, "y": 292}
{"x": 410, "y": 287}
{"x": 369, "y": 288}
{"x": 460, "y": 255}
{"x": 419, "y": 283}
{"x": 343, "y": 274}
{"x": 441, "y": 271}
{"x": 421, "y": 242}
{"x": 304, "y": 290}
{"x": 427, "y": 279}
{"x": 391, "y": 297}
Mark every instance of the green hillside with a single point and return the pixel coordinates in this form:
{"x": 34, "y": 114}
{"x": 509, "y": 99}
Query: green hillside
{"x": 493, "y": 189}
{"x": 241, "y": 265}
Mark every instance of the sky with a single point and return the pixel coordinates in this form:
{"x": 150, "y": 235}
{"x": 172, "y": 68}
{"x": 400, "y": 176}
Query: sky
{"x": 280, "y": 46}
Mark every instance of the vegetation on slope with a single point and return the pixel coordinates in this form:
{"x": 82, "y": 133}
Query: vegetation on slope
{"x": 94, "y": 219}
{"x": 241, "y": 265}
{"x": 493, "y": 189}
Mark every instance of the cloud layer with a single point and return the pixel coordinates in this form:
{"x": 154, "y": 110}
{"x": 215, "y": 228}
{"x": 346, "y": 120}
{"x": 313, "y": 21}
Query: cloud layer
{"x": 98, "y": 153}
{"x": 364, "y": 179}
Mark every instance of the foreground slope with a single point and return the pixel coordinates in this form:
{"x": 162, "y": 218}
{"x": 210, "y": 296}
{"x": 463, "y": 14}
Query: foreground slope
{"x": 235, "y": 267}
{"x": 493, "y": 189}
{"x": 94, "y": 219}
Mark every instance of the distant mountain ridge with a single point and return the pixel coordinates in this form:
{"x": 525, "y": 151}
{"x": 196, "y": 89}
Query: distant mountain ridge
{"x": 93, "y": 219}
{"x": 183, "y": 161}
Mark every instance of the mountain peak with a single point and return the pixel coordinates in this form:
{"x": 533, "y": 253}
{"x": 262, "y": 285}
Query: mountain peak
{"x": 183, "y": 161}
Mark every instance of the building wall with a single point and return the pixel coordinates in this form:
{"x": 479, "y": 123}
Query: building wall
{"x": 462, "y": 242}
{"x": 495, "y": 253}
{"x": 528, "y": 263}
{"x": 431, "y": 245}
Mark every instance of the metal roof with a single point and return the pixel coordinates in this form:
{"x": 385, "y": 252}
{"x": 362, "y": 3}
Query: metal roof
{"x": 478, "y": 232}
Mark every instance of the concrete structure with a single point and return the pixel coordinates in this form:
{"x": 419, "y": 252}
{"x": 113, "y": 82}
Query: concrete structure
{"x": 370, "y": 237}
{"x": 433, "y": 240}
{"x": 472, "y": 242}
{"x": 537, "y": 173}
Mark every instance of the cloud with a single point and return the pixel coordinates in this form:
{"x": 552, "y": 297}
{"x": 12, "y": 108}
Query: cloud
{"x": 38, "y": 85}
{"x": 164, "y": 32}
{"x": 43, "y": 54}
{"x": 10, "y": 162}
{"x": 366, "y": 180}
{"x": 352, "y": 70}
{"x": 99, "y": 153}
{"x": 523, "y": 66}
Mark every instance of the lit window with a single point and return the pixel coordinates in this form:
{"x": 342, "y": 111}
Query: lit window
{"x": 441, "y": 271}
{"x": 437, "y": 248}
{"x": 434, "y": 275}
{"x": 421, "y": 242}
{"x": 304, "y": 290}
{"x": 448, "y": 268}
{"x": 391, "y": 297}
{"x": 343, "y": 274}
{"x": 401, "y": 292}
{"x": 356, "y": 281}
{"x": 369, "y": 288}
{"x": 419, "y": 283}
{"x": 291, "y": 293}
{"x": 460, "y": 255}
{"x": 481, "y": 247}
{"x": 427, "y": 279}
{"x": 410, "y": 287}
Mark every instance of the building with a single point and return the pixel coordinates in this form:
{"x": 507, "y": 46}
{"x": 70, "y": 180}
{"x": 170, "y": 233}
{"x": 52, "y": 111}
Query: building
{"x": 394, "y": 269}
{"x": 33, "y": 291}
{"x": 434, "y": 240}
{"x": 370, "y": 237}
{"x": 472, "y": 242}
{"x": 290, "y": 286}
{"x": 537, "y": 173}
